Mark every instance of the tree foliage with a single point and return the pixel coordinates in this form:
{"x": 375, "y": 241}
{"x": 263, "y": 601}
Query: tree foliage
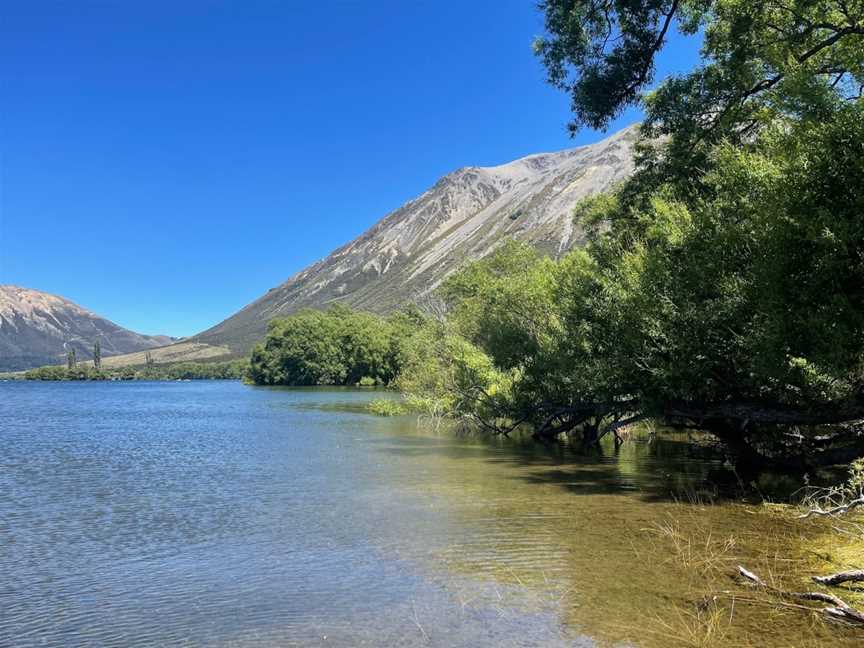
{"x": 338, "y": 346}
{"x": 760, "y": 62}
{"x": 759, "y": 59}
{"x": 602, "y": 52}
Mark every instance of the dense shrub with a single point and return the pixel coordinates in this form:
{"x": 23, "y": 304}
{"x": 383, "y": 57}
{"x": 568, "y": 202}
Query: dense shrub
{"x": 338, "y": 346}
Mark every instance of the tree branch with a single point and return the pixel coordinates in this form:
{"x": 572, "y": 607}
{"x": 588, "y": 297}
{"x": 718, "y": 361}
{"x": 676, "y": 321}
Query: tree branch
{"x": 767, "y": 413}
{"x": 839, "y": 608}
{"x": 854, "y": 576}
{"x": 837, "y": 510}
{"x": 658, "y": 43}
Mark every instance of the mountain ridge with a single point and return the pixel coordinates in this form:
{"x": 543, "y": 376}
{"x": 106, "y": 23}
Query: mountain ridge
{"x": 465, "y": 215}
{"x": 38, "y": 328}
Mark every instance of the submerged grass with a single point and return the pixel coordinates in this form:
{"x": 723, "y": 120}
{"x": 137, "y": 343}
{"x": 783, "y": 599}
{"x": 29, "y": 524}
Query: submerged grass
{"x": 710, "y": 561}
{"x": 705, "y": 553}
{"x": 387, "y": 407}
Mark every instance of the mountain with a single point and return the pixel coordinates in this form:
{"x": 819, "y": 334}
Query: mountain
{"x": 464, "y": 216}
{"x": 37, "y": 328}
{"x": 410, "y": 251}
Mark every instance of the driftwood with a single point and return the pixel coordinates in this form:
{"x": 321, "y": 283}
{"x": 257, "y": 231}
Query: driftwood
{"x": 853, "y": 576}
{"x": 838, "y": 608}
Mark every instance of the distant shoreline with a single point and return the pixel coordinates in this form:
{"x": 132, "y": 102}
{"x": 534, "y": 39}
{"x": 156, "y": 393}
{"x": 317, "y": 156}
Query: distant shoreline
{"x": 183, "y": 371}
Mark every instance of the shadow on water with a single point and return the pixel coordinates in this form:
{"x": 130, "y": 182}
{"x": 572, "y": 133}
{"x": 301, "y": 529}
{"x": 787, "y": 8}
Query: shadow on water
{"x": 665, "y": 467}
{"x": 662, "y": 467}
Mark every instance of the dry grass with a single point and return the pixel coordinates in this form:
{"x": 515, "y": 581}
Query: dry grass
{"x": 180, "y": 352}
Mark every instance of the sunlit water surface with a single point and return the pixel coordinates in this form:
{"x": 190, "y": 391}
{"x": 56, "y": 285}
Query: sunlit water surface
{"x": 215, "y": 514}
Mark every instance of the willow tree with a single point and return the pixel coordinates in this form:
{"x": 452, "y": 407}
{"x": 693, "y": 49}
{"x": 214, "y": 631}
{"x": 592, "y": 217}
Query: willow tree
{"x": 726, "y": 273}
{"x": 338, "y": 346}
{"x": 759, "y": 61}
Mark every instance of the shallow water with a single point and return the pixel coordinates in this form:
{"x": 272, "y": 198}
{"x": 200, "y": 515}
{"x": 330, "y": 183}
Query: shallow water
{"x": 215, "y": 514}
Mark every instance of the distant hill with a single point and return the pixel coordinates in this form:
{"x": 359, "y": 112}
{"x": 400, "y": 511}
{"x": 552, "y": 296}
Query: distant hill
{"x": 408, "y": 253}
{"x": 37, "y": 328}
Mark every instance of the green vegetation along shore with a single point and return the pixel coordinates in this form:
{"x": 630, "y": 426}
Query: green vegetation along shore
{"x": 231, "y": 370}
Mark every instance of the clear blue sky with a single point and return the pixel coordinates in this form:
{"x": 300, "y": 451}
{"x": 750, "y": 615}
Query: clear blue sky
{"x": 165, "y": 163}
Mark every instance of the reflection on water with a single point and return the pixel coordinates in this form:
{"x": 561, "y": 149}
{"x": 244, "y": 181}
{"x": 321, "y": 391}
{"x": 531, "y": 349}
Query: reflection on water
{"x": 213, "y": 514}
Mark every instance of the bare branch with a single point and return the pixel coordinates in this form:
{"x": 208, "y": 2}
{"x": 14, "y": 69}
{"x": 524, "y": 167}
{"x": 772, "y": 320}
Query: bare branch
{"x": 854, "y": 576}
{"x": 837, "y": 510}
{"x": 838, "y": 609}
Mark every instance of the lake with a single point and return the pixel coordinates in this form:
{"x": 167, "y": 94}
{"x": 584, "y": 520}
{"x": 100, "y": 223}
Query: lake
{"x": 217, "y": 514}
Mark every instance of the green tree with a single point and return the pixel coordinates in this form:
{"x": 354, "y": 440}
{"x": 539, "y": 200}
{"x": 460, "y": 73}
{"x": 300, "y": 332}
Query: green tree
{"x": 97, "y": 355}
{"x": 760, "y": 61}
{"x": 338, "y": 346}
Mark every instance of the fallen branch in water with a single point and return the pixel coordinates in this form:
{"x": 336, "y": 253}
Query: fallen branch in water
{"x": 806, "y": 596}
{"x": 837, "y": 510}
{"x": 838, "y": 608}
{"x": 853, "y": 576}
